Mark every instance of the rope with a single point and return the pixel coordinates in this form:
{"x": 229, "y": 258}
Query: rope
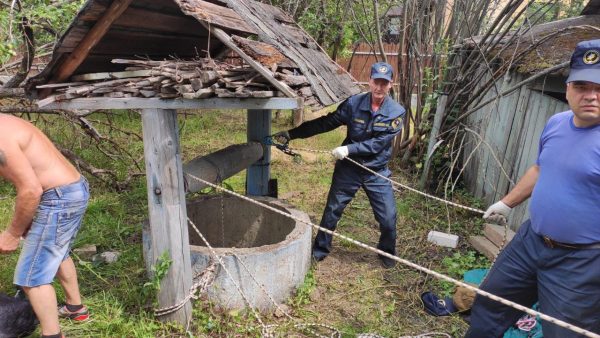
{"x": 266, "y": 329}
{"x": 397, "y": 183}
{"x": 413, "y": 265}
{"x": 335, "y": 333}
{"x": 214, "y": 254}
{"x": 203, "y": 280}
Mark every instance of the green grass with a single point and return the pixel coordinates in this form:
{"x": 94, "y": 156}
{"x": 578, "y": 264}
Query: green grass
{"x": 348, "y": 290}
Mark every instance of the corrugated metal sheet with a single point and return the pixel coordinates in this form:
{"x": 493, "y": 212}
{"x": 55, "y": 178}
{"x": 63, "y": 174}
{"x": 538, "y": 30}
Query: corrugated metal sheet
{"x": 506, "y": 143}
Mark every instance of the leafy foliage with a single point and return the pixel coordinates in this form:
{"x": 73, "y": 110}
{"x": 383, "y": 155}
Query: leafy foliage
{"x": 337, "y": 24}
{"x": 303, "y": 292}
{"x": 159, "y": 271}
{"x": 458, "y": 264}
{"x": 48, "y": 20}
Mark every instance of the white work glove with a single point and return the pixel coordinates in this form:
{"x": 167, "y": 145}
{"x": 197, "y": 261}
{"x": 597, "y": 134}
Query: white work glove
{"x": 497, "y": 213}
{"x": 340, "y": 152}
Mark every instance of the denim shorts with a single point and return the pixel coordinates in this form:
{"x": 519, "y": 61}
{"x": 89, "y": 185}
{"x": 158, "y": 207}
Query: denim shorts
{"x": 49, "y": 240}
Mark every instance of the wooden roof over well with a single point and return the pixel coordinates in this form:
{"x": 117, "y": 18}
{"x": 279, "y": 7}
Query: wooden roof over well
{"x": 104, "y": 30}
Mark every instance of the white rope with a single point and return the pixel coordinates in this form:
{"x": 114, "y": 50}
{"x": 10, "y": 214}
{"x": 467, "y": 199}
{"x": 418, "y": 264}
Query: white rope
{"x": 203, "y": 280}
{"x": 397, "y": 183}
{"x": 335, "y": 333}
{"x": 266, "y": 329}
{"x": 413, "y": 265}
{"x": 214, "y": 254}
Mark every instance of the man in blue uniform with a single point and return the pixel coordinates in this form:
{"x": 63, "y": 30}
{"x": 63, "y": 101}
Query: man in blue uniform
{"x": 373, "y": 120}
{"x": 554, "y": 258}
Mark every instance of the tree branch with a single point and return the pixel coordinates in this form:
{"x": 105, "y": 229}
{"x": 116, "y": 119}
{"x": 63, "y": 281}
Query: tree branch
{"x": 28, "y": 54}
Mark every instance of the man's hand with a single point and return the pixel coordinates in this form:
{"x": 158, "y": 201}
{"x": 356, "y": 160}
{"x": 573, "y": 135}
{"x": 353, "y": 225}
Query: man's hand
{"x": 497, "y": 213}
{"x": 8, "y": 242}
{"x": 282, "y": 137}
{"x": 340, "y": 152}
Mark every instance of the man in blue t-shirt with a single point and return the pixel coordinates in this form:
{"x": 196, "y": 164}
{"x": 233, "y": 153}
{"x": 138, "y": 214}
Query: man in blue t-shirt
{"x": 554, "y": 258}
{"x": 373, "y": 120}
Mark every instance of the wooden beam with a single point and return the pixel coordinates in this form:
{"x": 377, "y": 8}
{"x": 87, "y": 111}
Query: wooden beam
{"x": 167, "y": 209}
{"x": 258, "y": 174}
{"x": 103, "y": 103}
{"x": 90, "y": 40}
{"x": 226, "y": 39}
{"x": 214, "y": 14}
{"x": 220, "y": 165}
{"x": 12, "y": 92}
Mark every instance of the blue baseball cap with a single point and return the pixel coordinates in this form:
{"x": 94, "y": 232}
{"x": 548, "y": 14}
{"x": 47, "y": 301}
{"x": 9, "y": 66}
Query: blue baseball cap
{"x": 382, "y": 70}
{"x": 585, "y": 62}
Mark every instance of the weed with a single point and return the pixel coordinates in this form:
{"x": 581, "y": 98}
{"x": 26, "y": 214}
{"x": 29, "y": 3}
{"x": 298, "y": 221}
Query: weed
{"x": 159, "y": 271}
{"x": 303, "y": 292}
{"x": 458, "y": 264}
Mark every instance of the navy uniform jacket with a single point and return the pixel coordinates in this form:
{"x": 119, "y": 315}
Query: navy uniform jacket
{"x": 370, "y": 135}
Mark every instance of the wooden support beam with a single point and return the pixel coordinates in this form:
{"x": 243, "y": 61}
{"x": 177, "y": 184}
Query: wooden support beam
{"x": 167, "y": 208}
{"x": 258, "y": 174}
{"x": 220, "y": 165}
{"x": 227, "y": 41}
{"x": 90, "y": 40}
{"x": 100, "y": 103}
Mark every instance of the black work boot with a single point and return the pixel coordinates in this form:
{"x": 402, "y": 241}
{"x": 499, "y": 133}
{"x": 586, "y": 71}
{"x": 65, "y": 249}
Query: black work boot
{"x": 386, "y": 262}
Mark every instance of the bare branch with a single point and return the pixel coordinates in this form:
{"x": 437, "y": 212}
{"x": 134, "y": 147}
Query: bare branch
{"x": 28, "y": 54}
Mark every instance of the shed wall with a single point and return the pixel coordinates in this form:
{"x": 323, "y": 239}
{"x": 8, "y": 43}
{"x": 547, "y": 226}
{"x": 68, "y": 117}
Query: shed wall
{"x": 506, "y": 144}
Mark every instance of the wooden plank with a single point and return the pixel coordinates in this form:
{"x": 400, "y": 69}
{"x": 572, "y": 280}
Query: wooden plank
{"x": 226, "y": 39}
{"x": 90, "y": 40}
{"x": 482, "y": 154}
{"x": 506, "y": 113}
{"x": 513, "y": 140}
{"x": 329, "y": 81}
{"x": 529, "y": 144}
{"x": 60, "y": 85}
{"x": 497, "y": 234}
{"x": 258, "y": 174}
{"x": 151, "y": 20}
{"x": 140, "y": 103}
{"x": 433, "y": 136}
{"x": 262, "y": 52}
{"x": 213, "y": 14}
{"x": 111, "y": 75}
{"x": 167, "y": 208}
{"x": 130, "y": 42}
{"x": 484, "y": 246}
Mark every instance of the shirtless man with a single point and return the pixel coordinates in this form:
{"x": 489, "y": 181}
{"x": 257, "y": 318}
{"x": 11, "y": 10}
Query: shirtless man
{"x": 51, "y": 200}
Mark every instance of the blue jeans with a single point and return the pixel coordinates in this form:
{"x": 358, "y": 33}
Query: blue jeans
{"x": 52, "y": 232}
{"x": 347, "y": 179}
{"x": 565, "y": 282}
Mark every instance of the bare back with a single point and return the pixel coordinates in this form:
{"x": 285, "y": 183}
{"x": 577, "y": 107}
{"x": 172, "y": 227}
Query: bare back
{"x": 50, "y": 167}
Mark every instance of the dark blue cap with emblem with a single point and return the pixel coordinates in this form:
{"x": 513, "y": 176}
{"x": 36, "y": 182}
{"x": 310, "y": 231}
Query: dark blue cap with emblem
{"x": 382, "y": 70}
{"x": 585, "y": 62}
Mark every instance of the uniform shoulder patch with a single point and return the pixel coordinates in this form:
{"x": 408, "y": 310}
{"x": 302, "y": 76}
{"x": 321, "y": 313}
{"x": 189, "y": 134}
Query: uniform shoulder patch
{"x": 396, "y": 123}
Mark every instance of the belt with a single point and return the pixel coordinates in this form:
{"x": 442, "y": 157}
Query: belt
{"x": 549, "y": 242}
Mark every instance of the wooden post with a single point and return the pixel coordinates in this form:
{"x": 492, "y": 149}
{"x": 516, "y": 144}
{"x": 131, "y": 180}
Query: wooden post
{"x": 258, "y": 174}
{"x": 167, "y": 208}
{"x": 435, "y": 130}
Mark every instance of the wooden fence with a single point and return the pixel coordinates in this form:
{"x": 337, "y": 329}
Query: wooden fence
{"x": 503, "y": 141}
{"x": 358, "y": 64}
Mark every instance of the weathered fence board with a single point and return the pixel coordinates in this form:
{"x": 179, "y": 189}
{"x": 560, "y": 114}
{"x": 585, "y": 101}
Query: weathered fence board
{"x": 512, "y": 130}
